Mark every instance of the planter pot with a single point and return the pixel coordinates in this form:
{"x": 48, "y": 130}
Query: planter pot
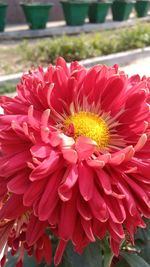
{"x": 75, "y": 12}
{"x": 142, "y": 7}
{"x": 3, "y": 9}
{"x": 98, "y": 12}
{"x": 36, "y": 14}
{"x": 121, "y": 10}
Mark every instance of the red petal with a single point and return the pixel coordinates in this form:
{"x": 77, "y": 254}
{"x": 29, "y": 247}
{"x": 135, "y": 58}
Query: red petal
{"x": 47, "y": 249}
{"x": 70, "y": 178}
{"x": 116, "y": 230}
{"x": 35, "y": 230}
{"x": 12, "y": 164}
{"x": 13, "y": 208}
{"x": 20, "y": 183}
{"x": 84, "y": 209}
{"x": 33, "y": 192}
{"x": 49, "y": 198}
{"x": 68, "y": 218}
{"x": 45, "y": 168}
{"x": 116, "y": 209}
{"x": 98, "y": 207}
{"x": 70, "y": 155}
{"x": 85, "y": 147}
{"x": 40, "y": 150}
{"x": 59, "y": 252}
{"x": 86, "y": 181}
{"x": 105, "y": 181}
{"x": 115, "y": 246}
{"x": 87, "y": 226}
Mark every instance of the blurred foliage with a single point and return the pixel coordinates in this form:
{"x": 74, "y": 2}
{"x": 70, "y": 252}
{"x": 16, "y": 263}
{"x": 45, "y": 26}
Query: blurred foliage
{"x": 7, "y": 88}
{"x": 138, "y": 255}
{"x": 31, "y": 53}
{"x": 87, "y": 45}
{"x": 142, "y": 241}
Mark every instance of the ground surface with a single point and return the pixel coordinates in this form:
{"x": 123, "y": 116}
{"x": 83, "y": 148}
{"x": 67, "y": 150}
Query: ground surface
{"x": 11, "y": 59}
{"x": 139, "y": 66}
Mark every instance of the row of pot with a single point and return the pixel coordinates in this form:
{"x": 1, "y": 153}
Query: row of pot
{"x": 75, "y": 12}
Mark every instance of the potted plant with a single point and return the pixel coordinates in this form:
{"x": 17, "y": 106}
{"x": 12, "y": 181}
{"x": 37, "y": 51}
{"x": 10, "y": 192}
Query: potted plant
{"x": 98, "y": 11}
{"x": 3, "y": 9}
{"x": 36, "y": 13}
{"x": 142, "y": 7}
{"x": 121, "y": 9}
{"x": 75, "y": 11}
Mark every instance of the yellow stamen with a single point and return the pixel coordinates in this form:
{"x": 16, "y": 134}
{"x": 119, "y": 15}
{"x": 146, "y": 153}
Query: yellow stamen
{"x": 90, "y": 125}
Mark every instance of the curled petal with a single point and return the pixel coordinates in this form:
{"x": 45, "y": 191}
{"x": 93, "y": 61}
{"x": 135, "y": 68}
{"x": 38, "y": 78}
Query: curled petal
{"x": 70, "y": 155}
{"x": 87, "y": 226}
{"x": 105, "y": 181}
{"x": 47, "y": 167}
{"x": 98, "y": 207}
{"x": 141, "y": 142}
{"x": 85, "y": 147}
{"x": 70, "y": 179}
{"x": 83, "y": 209}
{"x": 40, "y": 150}
{"x": 59, "y": 252}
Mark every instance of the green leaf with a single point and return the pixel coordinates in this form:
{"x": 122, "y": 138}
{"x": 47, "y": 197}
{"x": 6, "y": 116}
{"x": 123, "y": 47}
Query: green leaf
{"x": 28, "y": 261}
{"x": 122, "y": 263}
{"x": 91, "y": 257}
{"x": 142, "y": 240}
{"x": 134, "y": 260}
{"x": 108, "y": 256}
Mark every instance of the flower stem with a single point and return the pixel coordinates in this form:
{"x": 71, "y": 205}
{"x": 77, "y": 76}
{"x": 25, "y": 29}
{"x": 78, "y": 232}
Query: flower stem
{"x": 108, "y": 259}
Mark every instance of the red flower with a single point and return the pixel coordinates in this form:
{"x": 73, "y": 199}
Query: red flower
{"x": 75, "y": 149}
{"x": 15, "y": 233}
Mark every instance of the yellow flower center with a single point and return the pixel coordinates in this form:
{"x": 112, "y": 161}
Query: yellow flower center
{"x": 90, "y": 125}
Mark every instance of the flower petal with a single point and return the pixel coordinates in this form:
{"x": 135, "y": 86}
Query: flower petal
{"x": 85, "y": 147}
{"x": 86, "y": 181}
{"x": 70, "y": 179}
{"x": 35, "y": 230}
{"x": 47, "y": 167}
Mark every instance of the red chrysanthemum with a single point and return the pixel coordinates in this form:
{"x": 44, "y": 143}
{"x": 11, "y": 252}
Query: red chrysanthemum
{"x": 17, "y": 226}
{"x": 75, "y": 152}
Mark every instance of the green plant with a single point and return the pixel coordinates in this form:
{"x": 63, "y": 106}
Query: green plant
{"x": 7, "y": 88}
{"x": 27, "y": 1}
{"x": 87, "y": 45}
{"x": 74, "y": 1}
{"x": 45, "y": 51}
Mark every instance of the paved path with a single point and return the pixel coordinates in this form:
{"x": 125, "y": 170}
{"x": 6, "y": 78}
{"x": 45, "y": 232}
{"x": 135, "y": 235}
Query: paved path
{"x": 59, "y": 28}
{"x": 140, "y": 66}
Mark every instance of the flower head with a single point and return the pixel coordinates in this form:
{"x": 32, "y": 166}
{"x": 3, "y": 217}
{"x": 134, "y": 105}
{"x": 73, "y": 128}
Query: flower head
{"x": 75, "y": 150}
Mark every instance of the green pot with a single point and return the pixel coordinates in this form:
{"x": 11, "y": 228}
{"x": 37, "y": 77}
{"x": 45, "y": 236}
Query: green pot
{"x": 3, "y": 9}
{"x": 36, "y": 14}
{"x": 121, "y": 10}
{"x": 142, "y": 7}
{"x": 75, "y": 12}
{"x": 98, "y": 11}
